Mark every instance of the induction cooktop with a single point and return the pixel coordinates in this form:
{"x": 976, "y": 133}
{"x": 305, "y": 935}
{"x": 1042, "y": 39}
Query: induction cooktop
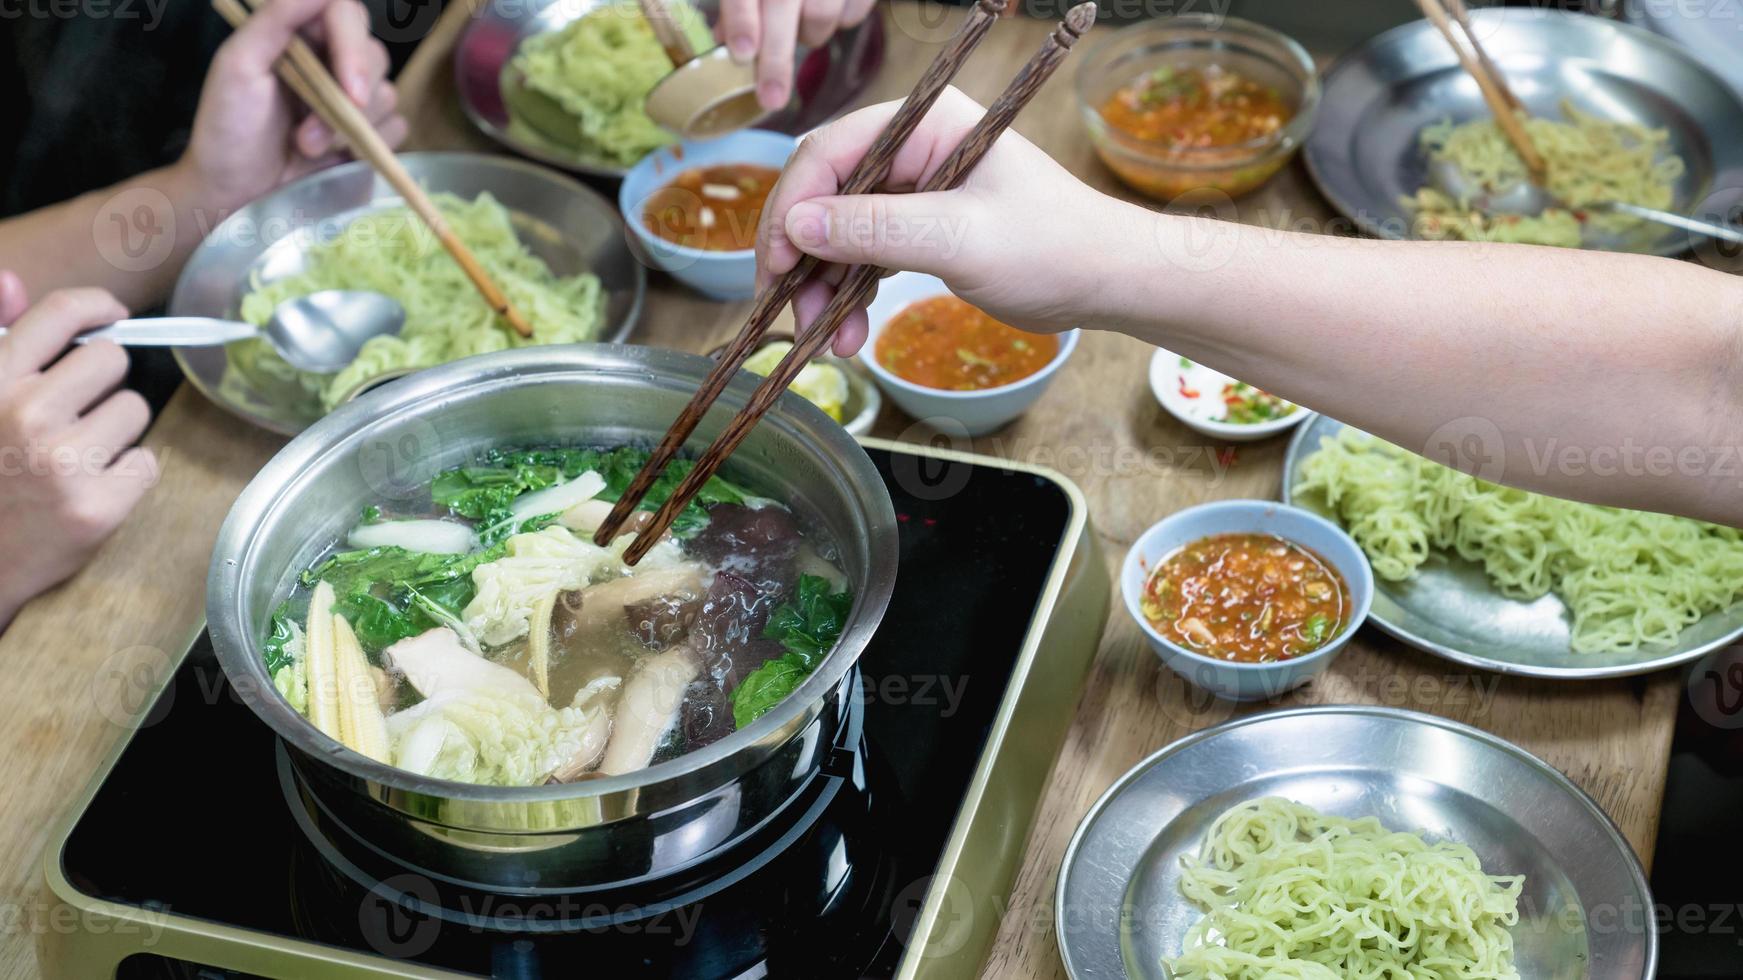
{"x": 191, "y": 855}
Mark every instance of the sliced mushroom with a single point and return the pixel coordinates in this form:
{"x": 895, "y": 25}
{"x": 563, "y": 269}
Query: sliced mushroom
{"x": 758, "y": 544}
{"x": 604, "y": 606}
{"x": 587, "y": 516}
{"x": 648, "y": 708}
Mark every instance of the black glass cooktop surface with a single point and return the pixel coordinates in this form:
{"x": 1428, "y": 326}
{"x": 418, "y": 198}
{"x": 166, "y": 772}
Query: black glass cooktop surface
{"x": 193, "y": 819}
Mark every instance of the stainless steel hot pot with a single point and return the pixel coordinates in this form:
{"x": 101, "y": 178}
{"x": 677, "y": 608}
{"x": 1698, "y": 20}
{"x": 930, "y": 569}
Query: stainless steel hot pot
{"x": 624, "y": 829}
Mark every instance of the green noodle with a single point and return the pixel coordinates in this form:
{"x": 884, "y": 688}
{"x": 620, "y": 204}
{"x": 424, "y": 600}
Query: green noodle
{"x": 1628, "y": 578}
{"x": 598, "y": 70}
{"x": 394, "y": 253}
{"x": 1289, "y": 892}
{"x": 1588, "y": 160}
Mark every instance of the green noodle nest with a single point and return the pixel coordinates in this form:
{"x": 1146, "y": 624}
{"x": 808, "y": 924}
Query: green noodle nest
{"x": 1587, "y": 160}
{"x": 392, "y": 252}
{"x": 1289, "y": 892}
{"x": 599, "y": 69}
{"x": 1628, "y": 578}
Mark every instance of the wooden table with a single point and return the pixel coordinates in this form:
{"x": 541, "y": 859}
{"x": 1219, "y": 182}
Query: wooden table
{"x": 77, "y": 658}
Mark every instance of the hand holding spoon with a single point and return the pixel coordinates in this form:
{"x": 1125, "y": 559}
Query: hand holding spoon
{"x": 321, "y": 332}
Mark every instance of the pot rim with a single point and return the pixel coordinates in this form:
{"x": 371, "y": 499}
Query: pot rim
{"x": 240, "y": 653}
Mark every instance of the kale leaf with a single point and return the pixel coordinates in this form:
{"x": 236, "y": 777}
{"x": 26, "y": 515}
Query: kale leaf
{"x": 278, "y": 634}
{"x": 808, "y": 627}
{"x": 486, "y": 491}
{"x": 377, "y": 589}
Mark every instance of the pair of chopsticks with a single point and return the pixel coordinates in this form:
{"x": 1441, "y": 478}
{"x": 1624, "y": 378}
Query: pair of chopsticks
{"x": 307, "y": 76}
{"x": 1444, "y": 15}
{"x": 857, "y": 282}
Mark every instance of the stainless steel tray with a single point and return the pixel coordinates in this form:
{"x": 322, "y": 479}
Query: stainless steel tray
{"x": 1585, "y": 911}
{"x": 567, "y": 225}
{"x": 1363, "y": 151}
{"x": 1450, "y": 609}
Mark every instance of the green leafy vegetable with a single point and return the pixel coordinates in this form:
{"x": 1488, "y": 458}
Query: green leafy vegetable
{"x": 1313, "y": 631}
{"x": 377, "y": 623}
{"x": 808, "y": 627}
{"x": 387, "y": 593}
{"x": 278, "y": 634}
{"x": 486, "y": 491}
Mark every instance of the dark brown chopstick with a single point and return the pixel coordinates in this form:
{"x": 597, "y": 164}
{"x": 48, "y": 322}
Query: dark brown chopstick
{"x": 867, "y": 174}
{"x": 306, "y": 74}
{"x": 859, "y": 281}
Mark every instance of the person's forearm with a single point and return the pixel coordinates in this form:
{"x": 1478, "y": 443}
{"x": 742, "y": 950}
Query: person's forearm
{"x": 1595, "y": 376}
{"x": 130, "y": 239}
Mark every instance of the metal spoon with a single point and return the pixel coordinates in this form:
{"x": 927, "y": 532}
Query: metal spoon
{"x": 321, "y": 332}
{"x": 1527, "y": 199}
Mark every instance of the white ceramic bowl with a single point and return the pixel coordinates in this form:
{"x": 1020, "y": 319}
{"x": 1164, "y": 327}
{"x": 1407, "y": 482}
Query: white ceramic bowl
{"x": 972, "y": 413}
{"x": 864, "y": 402}
{"x": 1244, "y": 681}
{"x": 1165, "y": 375}
{"x": 717, "y": 275}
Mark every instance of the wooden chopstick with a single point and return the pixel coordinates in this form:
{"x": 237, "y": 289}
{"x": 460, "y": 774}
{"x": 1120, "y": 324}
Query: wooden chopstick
{"x": 306, "y": 75}
{"x": 667, "y": 31}
{"x": 1502, "y": 102}
{"x": 859, "y": 281}
{"x": 867, "y": 174}
{"x": 1462, "y": 15}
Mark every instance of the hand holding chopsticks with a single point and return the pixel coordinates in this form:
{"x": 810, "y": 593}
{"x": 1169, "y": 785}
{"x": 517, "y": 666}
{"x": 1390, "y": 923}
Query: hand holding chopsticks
{"x": 867, "y": 174}
{"x": 306, "y": 75}
{"x": 855, "y": 285}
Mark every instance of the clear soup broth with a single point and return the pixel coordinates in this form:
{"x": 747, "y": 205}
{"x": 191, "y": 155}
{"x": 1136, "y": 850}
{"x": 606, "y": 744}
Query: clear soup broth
{"x": 485, "y": 638}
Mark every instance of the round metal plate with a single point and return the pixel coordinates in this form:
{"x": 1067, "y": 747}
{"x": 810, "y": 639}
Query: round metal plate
{"x": 567, "y": 225}
{"x": 1450, "y": 609}
{"x": 1363, "y": 151}
{"x": 1585, "y": 911}
{"x": 827, "y": 79}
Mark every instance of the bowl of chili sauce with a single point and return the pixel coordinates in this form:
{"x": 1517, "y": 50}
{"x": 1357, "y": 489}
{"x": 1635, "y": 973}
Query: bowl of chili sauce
{"x": 940, "y": 358}
{"x": 1197, "y": 102}
{"x": 692, "y": 209}
{"x": 1248, "y": 599}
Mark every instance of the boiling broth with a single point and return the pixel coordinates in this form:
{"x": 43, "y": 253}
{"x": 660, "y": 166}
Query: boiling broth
{"x": 487, "y": 639}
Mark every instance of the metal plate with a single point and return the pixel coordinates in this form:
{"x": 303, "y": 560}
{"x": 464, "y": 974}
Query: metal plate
{"x": 1363, "y": 151}
{"x": 827, "y": 79}
{"x": 1584, "y": 911}
{"x": 567, "y": 225}
{"x": 1450, "y": 609}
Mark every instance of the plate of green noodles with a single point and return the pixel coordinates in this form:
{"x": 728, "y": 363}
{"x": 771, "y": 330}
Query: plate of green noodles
{"x": 1343, "y": 841}
{"x": 556, "y": 248}
{"x": 564, "y": 81}
{"x": 1620, "y": 114}
{"x": 1517, "y": 582}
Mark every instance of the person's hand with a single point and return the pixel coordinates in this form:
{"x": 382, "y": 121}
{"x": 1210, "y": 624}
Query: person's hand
{"x": 1018, "y": 239}
{"x": 247, "y": 137}
{"x": 770, "y": 30}
{"x": 69, "y": 471}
